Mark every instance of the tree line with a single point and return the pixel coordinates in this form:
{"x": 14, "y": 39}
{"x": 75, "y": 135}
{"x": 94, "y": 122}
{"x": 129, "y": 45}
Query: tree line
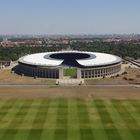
{"x": 120, "y": 49}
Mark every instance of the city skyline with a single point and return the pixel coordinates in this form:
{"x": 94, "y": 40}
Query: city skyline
{"x": 69, "y": 17}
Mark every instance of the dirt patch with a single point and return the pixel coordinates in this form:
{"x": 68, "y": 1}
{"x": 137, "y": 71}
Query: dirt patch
{"x": 6, "y": 77}
{"x": 70, "y": 92}
{"x": 130, "y": 75}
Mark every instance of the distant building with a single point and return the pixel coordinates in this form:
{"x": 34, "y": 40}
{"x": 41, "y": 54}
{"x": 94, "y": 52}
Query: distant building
{"x": 4, "y": 64}
{"x": 8, "y": 44}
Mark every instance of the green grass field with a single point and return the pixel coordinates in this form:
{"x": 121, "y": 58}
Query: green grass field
{"x": 70, "y": 72}
{"x": 69, "y": 119}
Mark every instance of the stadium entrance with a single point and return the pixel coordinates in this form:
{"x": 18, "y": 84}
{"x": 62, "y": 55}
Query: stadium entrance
{"x": 69, "y": 76}
{"x": 69, "y": 73}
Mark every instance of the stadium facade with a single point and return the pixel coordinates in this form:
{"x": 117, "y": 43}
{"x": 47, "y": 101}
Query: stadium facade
{"x": 52, "y": 64}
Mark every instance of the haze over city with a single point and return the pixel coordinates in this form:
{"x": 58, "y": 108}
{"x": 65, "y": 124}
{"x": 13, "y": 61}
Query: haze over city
{"x": 69, "y": 17}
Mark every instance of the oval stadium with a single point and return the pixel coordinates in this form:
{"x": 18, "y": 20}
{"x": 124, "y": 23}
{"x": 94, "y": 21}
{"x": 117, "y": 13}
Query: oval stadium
{"x": 53, "y": 64}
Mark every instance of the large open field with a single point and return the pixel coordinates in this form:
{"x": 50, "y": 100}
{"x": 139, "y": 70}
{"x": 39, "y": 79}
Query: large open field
{"x": 69, "y": 119}
{"x": 84, "y": 113}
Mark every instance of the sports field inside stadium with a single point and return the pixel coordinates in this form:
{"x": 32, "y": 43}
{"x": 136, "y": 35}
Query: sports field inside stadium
{"x": 69, "y": 119}
{"x": 70, "y": 72}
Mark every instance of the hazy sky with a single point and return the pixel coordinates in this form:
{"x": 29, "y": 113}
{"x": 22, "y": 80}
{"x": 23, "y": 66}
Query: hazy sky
{"x": 69, "y": 16}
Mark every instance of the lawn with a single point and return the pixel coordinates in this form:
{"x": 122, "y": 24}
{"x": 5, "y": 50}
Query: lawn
{"x": 69, "y": 119}
{"x": 70, "y": 72}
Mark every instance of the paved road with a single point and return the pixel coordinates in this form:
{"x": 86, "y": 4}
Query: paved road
{"x": 53, "y": 85}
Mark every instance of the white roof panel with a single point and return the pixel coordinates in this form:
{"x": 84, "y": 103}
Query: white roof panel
{"x": 101, "y": 59}
{"x": 44, "y": 59}
{"x": 38, "y": 59}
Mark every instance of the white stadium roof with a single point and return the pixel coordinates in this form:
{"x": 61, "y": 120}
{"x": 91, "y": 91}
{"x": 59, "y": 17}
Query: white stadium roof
{"x": 43, "y": 59}
{"x": 38, "y": 59}
{"x": 101, "y": 59}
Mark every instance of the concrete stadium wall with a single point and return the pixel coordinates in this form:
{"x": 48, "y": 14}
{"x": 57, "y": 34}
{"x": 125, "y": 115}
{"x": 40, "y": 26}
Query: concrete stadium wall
{"x": 52, "y": 72}
{"x": 43, "y": 72}
{"x": 100, "y": 72}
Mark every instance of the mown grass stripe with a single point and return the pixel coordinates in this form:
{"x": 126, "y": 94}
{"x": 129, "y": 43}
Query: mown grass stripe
{"x": 35, "y": 132}
{"x": 126, "y": 115}
{"x": 133, "y": 112}
{"x": 73, "y": 121}
{"x": 61, "y": 122}
{"x": 5, "y": 106}
{"x": 26, "y": 125}
{"x": 12, "y": 108}
{"x": 136, "y": 105}
{"x": 62, "y": 113}
{"x": 107, "y": 122}
{"x": 10, "y": 132}
{"x": 2, "y": 103}
{"x": 118, "y": 122}
{"x": 4, "y": 109}
{"x": 39, "y": 120}
{"x": 20, "y": 115}
{"x": 86, "y": 131}
{"x": 95, "y": 122}
{"x": 40, "y": 117}
{"x": 128, "y": 119}
{"x": 19, "y": 118}
{"x": 50, "y": 123}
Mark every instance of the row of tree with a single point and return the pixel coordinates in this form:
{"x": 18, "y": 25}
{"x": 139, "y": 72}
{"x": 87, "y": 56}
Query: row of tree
{"x": 122, "y": 49}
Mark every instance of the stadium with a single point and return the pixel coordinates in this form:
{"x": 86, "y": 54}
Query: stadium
{"x": 53, "y": 64}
